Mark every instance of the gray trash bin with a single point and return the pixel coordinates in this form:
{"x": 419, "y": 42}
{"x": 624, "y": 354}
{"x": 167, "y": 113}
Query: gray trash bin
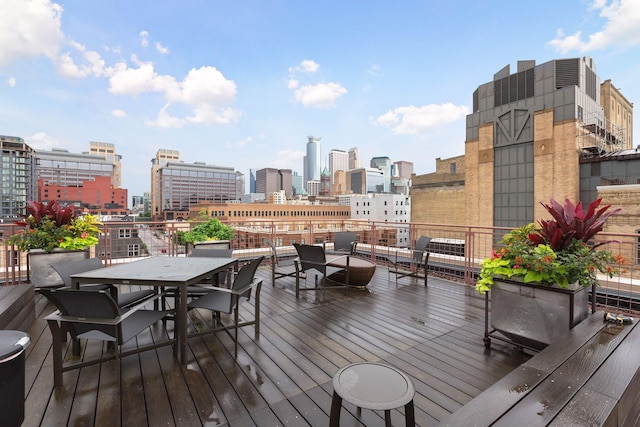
{"x": 12, "y": 345}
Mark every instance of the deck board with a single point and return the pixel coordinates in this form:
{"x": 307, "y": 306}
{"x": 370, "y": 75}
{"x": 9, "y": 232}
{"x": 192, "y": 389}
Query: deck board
{"x": 432, "y": 333}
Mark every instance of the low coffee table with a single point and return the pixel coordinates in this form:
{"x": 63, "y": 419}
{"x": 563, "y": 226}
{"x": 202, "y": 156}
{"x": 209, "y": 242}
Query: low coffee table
{"x": 360, "y": 271}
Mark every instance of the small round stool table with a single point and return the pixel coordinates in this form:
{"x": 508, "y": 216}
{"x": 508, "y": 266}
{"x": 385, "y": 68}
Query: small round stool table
{"x": 372, "y": 386}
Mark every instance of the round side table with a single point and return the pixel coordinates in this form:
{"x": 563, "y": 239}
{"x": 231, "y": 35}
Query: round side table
{"x": 372, "y": 386}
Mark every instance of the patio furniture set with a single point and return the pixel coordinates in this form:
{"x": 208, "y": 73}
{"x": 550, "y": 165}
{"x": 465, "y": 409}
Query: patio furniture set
{"x": 90, "y": 306}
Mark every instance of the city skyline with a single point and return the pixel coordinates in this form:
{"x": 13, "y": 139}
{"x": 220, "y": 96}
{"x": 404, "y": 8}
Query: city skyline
{"x": 243, "y": 86}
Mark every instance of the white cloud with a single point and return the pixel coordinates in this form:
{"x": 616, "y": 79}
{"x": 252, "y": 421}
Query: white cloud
{"x": 374, "y": 70}
{"x": 621, "y": 27}
{"x": 161, "y": 49}
{"x": 11, "y": 82}
{"x": 205, "y": 90}
{"x": 29, "y": 28}
{"x": 321, "y": 95}
{"x": 42, "y": 141}
{"x": 119, "y": 113}
{"x": 306, "y": 66}
{"x": 144, "y": 38}
{"x": 288, "y": 159}
{"x": 412, "y": 120}
{"x": 292, "y": 84}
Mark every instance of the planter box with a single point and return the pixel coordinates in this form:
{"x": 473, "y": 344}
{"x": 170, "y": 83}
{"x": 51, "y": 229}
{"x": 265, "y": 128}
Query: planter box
{"x": 41, "y": 274}
{"x": 209, "y": 244}
{"x": 534, "y": 316}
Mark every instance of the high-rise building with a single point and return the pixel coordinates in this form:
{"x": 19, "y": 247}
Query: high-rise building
{"x": 354, "y": 158}
{"x": 107, "y": 151}
{"x": 365, "y": 180}
{"x": 384, "y": 164}
{"x": 270, "y": 180}
{"x": 312, "y": 161}
{"x": 403, "y": 169}
{"x": 176, "y": 185}
{"x": 252, "y": 181}
{"x": 297, "y": 185}
{"x": 338, "y": 161}
{"x": 19, "y": 176}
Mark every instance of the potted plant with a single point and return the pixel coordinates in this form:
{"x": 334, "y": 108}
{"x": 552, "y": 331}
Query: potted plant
{"x": 211, "y": 233}
{"x": 53, "y": 234}
{"x": 540, "y": 275}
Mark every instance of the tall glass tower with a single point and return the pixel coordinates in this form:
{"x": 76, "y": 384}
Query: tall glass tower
{"x": 312, "y": 160}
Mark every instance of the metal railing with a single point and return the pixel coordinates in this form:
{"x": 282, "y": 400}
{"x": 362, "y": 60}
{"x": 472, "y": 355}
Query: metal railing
{"x": 455, "y": 251}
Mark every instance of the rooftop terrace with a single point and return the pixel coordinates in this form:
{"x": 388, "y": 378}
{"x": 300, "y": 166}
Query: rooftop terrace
{"x": 433, "y": 333}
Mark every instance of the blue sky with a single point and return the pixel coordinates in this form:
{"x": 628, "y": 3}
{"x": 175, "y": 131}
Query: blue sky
{"x": 243, "y": 83}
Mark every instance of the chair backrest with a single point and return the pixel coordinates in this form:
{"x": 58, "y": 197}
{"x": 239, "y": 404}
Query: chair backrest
{"x": 345, "y": 241}
{"x": 69, "y": 268}
{"x": 311, "y": 256}
{"x": 87, "y": 304}
{"x": 212, "y": 253}
{"x": 421, "y": 247}
{"x": 246, "y": 275}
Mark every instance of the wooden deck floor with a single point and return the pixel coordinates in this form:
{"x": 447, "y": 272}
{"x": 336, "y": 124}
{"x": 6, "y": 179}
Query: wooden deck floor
{"x": 433, "y": 334}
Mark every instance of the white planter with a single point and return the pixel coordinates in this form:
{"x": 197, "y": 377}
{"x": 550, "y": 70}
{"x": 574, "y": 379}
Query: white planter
{"x": 533, "y": 315}
{"x": 41, "y": 274}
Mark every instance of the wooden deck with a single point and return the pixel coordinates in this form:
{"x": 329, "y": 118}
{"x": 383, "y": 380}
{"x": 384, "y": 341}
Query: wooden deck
{"x": 433, "y": 334}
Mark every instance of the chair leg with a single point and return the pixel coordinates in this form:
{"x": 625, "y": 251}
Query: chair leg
{"x": 56, "y": 333}
{"x": 235, "y": 339}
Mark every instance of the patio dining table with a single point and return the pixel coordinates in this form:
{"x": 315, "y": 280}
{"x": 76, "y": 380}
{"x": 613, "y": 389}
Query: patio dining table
{"x": 162, "y": 271}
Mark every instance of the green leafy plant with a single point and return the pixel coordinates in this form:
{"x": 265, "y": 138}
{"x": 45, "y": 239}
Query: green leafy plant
{"x": 50, "y": 226}
{"x": 213, "y": 229}
{"x": 554, "y": 252}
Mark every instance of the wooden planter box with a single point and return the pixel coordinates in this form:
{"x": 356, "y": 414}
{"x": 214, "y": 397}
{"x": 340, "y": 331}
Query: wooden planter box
{"x": 533, "y": 316}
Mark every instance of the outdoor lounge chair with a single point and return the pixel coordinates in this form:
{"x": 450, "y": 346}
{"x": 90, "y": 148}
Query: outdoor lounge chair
{"x": 312, "y": 260}
{"x": 223, "y": 300}
{"x": 69, "y": 268}
{"x": 87, "y": 314}
{"x": 281, "y": 266}
{"x": 403, "y": 266}
{"x": 344, "y": 242}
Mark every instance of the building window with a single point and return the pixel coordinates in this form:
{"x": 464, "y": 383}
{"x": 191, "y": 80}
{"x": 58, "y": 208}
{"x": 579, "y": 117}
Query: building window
{"x": 124, "y": 233}
{"x": 452, "y": 168}
{"x": 133, "y": 250}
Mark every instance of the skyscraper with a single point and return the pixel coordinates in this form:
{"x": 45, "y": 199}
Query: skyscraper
{"x": 384, "y": 164}
{"x": 312, "y": 160}
{"x": 354, "y": 158}
{"x": 338, "y": 161}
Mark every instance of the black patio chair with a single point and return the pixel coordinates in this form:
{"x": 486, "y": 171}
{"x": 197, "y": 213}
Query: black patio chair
{"x": 313, "y": 260}
{"x": 127, "y": 299}
{"x": 223, "y": 300}
{"x": 281, "y": 266}
{"x": 94, "y": 315}
{"x": 344, "y": 242}
{"x": 404, "y": 266}
{"x": 203, "y": 288}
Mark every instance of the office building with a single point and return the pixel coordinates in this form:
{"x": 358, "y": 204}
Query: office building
{"x": 403, "y": 169}
{"x": 539, "y": 133}
{"x": 354, "y": 158}
{"x": 312, "y": 161}
{"x": 270, "y": 180}
{"x": 389, "y": 208}
{"x": 297, "y": 184}
{"x": 19, "y": 176}
{"x": 338, "y": 161}
{"x": 107, "y": 151}
{"x": 176, "y": 186}
{"x": 384, "y": 164}
{"x": 365, "y": 180}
